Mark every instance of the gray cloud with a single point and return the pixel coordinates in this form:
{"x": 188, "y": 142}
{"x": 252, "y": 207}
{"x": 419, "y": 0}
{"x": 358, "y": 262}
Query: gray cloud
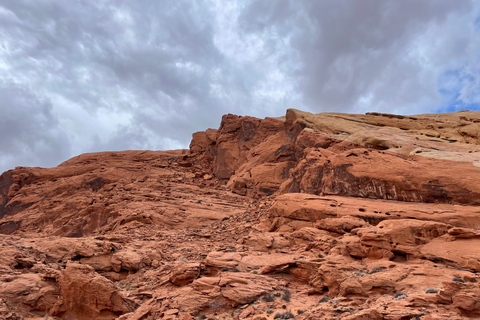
{"x": 372, "y": 55}
{"x": 83, "y": 76}
{"x": 30, "y": 131}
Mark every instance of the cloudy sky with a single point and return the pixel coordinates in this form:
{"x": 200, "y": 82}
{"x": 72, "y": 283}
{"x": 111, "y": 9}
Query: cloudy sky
{"x": 82, "y": 75}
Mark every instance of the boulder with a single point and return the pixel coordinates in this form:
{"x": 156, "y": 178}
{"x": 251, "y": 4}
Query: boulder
{"x": 87, "y": 295}
{"x": 203, "y": 142}
{"x": 241, "y": 288}
{"x": 245, "y": 288}
{"x": 185, "y": 274}
{"x": 29, "y": 292}
{"x": 223, "y": 259}
{"x": 128, "y": 260}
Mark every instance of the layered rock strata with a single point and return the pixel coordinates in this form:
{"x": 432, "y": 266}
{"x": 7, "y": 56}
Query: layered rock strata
{"x": 424, "y": 158}
{"x": 307, "y": 216}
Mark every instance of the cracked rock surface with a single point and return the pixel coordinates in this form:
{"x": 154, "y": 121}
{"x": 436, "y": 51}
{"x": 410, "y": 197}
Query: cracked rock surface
{"x": 306, "y": 216}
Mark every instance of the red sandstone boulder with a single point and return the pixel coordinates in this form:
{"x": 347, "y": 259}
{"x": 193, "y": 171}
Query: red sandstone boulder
{"x": 30, "y": 290}
{"x": 203, "y": 142}
{"x": 87, "y": 295}
{"x": 185, "y": 273}
{"x": 128, "y": 260}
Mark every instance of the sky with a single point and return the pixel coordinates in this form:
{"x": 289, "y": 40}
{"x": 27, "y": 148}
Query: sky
{"x": 85, "y": 76}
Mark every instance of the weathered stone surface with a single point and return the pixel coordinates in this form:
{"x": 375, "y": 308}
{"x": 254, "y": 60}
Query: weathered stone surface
{"x": 204, "y": 142}
{"x": 340, "y": 225}
{"x": 265, "y": 241}
{"x": 245, "y": 288}
{"x": 185, "y": 273}
{"x": 322, "y": 216}
{"x": 241, "y": 288}
{"x": 87, "y": 295}
{"x": 29, "y": 290}
{"x": 223, "y": 259}
{"x": 400, "y": 237}
{"x": 128, "y": 260}
{"x": 303, "y": 207}
{"x": 365, "y": 315}
{"x": 293, "y": 206}
{"x": 236, "y": 136}
{"x": 464, "y": 253}
{"x": 336, "y": 154}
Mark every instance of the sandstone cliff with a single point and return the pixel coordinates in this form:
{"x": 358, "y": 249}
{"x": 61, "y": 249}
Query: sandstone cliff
{"x": 307, "y": 216}
{"x": 377, "y": 156}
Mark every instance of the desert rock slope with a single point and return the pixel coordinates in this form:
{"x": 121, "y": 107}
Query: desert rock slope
{"x": 306, "y": 216}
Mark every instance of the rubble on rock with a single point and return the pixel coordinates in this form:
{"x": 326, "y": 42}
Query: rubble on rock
{"x": 307, "y": 216}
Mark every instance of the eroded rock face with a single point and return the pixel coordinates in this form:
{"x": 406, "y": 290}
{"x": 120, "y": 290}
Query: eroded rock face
{"x": 355, "y": 173}
{"x": 204, "y": 142}
{"x": 328, "y": 216}
{"x": 185, "y": 274}
{"x": 87, "y": 295}
{"x": 339, "y": 154}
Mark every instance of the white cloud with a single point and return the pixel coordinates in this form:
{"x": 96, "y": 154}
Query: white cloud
{"x": 109, "y": 75}
{"x": 470, "y": 80}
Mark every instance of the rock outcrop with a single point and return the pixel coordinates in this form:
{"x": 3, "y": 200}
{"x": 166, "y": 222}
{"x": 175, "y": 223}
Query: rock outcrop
{"x": 377, "y": 156}
{"x": 306, "y": 216}
{"x": 87, "y": 295}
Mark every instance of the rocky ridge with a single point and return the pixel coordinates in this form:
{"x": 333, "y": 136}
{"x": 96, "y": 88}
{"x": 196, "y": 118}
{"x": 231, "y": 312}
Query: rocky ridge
{"x": 307, "y": 216}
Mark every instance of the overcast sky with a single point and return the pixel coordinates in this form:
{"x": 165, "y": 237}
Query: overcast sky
{"x": 84, "y": 76}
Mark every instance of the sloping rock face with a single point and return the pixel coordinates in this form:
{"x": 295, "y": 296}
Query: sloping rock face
{"x": 426, "y": 158}
{"x": 306, "y": 216}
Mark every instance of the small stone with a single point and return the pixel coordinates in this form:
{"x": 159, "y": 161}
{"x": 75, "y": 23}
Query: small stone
{"x": 171, "y": 312}
{"x": 247, "y": 312}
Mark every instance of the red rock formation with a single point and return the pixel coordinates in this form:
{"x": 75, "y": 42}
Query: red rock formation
{"x": 333, "y": 154}
{"x": 87, "y": 295}
{"x": 326, "y": 216}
